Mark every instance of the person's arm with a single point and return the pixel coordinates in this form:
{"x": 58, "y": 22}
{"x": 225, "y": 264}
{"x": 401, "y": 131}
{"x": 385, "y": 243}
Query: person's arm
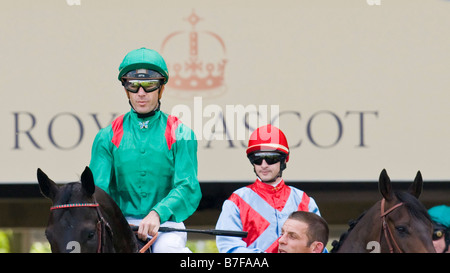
{"x": 101, "y": 163}
{"x": 230, "y": 219}
{"x": 312, "y": 207}
{"x": 184, "y": 197}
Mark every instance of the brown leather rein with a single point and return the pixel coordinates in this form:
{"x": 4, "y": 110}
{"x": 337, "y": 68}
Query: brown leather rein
{"x": 386, "y": 230}
{"x": 102, "y": 225}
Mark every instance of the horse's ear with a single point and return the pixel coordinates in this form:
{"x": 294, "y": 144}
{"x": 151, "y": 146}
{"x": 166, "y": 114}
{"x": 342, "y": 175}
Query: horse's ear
{"x": 416, "y": 187}
{"x": 384, "y": 184}
{"x": 87, "y": 181}
{"x": 46, "y": 185}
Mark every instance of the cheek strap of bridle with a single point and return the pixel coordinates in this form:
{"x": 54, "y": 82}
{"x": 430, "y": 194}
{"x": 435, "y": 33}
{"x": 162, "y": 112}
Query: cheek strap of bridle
{"x": 385, "y": 227}
{"x": 102, "y": 226}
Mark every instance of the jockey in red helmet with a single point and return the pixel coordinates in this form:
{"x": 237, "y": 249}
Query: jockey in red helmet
{"x": 262, "y": 207}
{"x": 269, "y": 143}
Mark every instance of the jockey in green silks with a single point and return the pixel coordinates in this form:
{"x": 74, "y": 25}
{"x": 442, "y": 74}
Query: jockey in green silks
{"x": 146, "y": 160}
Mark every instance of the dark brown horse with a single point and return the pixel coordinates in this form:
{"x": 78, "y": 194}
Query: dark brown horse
{"x": 397, "y": 223}
{"x": 84, "y": 218}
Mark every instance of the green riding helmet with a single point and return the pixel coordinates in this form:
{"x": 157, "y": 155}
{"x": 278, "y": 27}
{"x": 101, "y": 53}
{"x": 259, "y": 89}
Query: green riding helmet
{"x": 143, "y": 58}
{"x": 440, "y": 214}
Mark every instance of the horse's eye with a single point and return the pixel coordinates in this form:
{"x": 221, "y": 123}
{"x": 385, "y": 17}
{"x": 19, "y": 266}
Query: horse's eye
{"x": 91, "y": 235}
{"x": 402, "y": 230}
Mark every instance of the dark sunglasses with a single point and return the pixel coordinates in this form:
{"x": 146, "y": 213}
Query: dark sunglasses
{"x": 270, "y": 158}
{"x": 133, "y": 84}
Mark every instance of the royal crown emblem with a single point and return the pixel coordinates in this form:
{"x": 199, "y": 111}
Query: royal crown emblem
{"x": 195, "y": 59}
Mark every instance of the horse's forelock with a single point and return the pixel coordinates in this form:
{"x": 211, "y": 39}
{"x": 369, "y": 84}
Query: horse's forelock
{"x": 67, "y": 192}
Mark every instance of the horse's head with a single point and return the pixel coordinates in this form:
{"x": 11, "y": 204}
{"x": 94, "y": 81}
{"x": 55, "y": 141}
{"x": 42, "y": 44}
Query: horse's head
{"x": 397, "y": 223}
{"x": 408, "y": 226}
{"x": 76, "y": 226}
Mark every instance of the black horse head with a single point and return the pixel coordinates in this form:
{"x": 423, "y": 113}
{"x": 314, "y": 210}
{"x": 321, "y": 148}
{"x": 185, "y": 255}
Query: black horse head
{"x": 84, "y": 218}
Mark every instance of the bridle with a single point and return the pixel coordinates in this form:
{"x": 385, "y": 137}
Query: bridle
{"x": 102, "y": 224}
{"x": 385, "y": 227}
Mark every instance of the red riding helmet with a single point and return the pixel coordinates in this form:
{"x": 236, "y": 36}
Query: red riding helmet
{"x": 268, "y": 138}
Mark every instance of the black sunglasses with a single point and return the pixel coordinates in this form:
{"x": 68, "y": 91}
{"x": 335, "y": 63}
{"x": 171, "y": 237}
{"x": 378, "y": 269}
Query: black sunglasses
{"x": 270, "y": 158}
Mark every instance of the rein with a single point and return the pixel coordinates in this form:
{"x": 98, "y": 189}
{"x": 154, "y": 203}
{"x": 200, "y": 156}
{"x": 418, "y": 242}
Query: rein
{"x": 385, "y": 227}
{"x": 148, "y": 244}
